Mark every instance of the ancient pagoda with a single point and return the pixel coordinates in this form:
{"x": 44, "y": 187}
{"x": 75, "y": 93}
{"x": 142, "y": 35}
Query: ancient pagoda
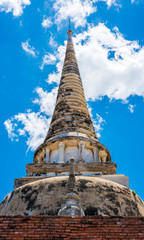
{"x": 93, "y": 187}
{"x": 71, "y": 132}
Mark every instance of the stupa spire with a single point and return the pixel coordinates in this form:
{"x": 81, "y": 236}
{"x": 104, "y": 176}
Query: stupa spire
{"x": 71, "y": 114}
{"x": 69, "y": 24}
{"x": 71, "y": 132}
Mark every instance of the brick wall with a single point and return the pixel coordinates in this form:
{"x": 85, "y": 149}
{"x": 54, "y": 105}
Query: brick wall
{"x": 48, "y": 227}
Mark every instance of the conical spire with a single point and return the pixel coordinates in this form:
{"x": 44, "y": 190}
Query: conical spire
{"x": 71, "y": 205}
{"x": 71, "y": 132}
{"x": 71, "y": 114}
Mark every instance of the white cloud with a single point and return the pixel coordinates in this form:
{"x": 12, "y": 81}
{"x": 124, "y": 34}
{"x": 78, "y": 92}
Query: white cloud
{"x": 97, "y": 121}
{"x": 110, "y": 2}
{"x": 131, "y": 107}
{"x": 48, "y": 59}
{"x": 46, "y": 23}
{"x": 33, "y": 126}
{"x": 53, "y": 78}
{"x": 10, "y": 129}
{"x": 52, "y": 42}
{"x": 77, "y": 10}
{"x": 109, "y": 64}
{"x": 46, "y": 100}
{"x": 30, "y": 50}
{"x": 59, "y": 54}
{"x": 14, "y": 6}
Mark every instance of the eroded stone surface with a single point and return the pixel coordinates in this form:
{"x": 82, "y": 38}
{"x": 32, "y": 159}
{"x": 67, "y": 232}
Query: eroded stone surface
{"x": 71, "y": 132}
{"x": 120, "y": 179}
{"x": 98, "y": 197}
{"x": 38, "y": 169}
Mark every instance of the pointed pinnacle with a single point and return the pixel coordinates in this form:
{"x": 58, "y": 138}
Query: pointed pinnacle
{"x": 69, "y": 24}
{"x": 69, "y": 32}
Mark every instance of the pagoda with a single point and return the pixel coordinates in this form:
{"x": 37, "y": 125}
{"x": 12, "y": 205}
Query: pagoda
{"x": 72, "y": 173}
{"x": 71, "y": 132}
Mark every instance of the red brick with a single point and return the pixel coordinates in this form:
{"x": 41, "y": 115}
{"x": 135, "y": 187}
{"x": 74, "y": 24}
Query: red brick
{"x": 49, "y": 227}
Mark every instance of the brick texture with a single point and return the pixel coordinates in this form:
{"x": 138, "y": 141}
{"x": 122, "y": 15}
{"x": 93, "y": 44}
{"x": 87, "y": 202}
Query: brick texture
{"x": 48, "y": 227}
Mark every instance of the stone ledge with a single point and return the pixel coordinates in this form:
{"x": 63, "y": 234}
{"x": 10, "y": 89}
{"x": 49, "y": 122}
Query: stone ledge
{"x": 58, "y": 168}
{"x": 120, "y": 179}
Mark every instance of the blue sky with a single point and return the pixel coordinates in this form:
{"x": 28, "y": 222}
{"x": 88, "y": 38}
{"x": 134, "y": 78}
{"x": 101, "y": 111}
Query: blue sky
{"x": 109, "y": 45}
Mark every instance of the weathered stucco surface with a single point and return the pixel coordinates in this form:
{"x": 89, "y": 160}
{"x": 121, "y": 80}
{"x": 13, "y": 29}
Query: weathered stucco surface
{"x": 71, "y": 132}
{"x": 98, "y": 197}
{"x": 58, "y": 168}
{"x": 120, "y": 179}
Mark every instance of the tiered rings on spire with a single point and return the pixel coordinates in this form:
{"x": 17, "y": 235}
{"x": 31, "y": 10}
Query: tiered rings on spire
{"x": 71, "y": 132}
{"x": 71, "y": 113}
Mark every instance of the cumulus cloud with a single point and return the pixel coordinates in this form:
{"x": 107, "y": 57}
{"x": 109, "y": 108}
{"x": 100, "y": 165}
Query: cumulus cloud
{"x": 48, "y": 59}
{"x": 131, "y": 107}
{"x": 109, "y": 64}
{"x": 46, "y": 100}
{"x": 14, "y": 6}
{"x": 46, "y": 23}
{"x": 32, "y": 125}
{"x": 59, "y": 54}
{"x": 10, "y": 127}
{"x": 30, "y": 50}
{"x": 52, "y": 42}
{"x": 98, "y": 122}
{"x": 110, "y": 2}
{"x": 77, "y": 10}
